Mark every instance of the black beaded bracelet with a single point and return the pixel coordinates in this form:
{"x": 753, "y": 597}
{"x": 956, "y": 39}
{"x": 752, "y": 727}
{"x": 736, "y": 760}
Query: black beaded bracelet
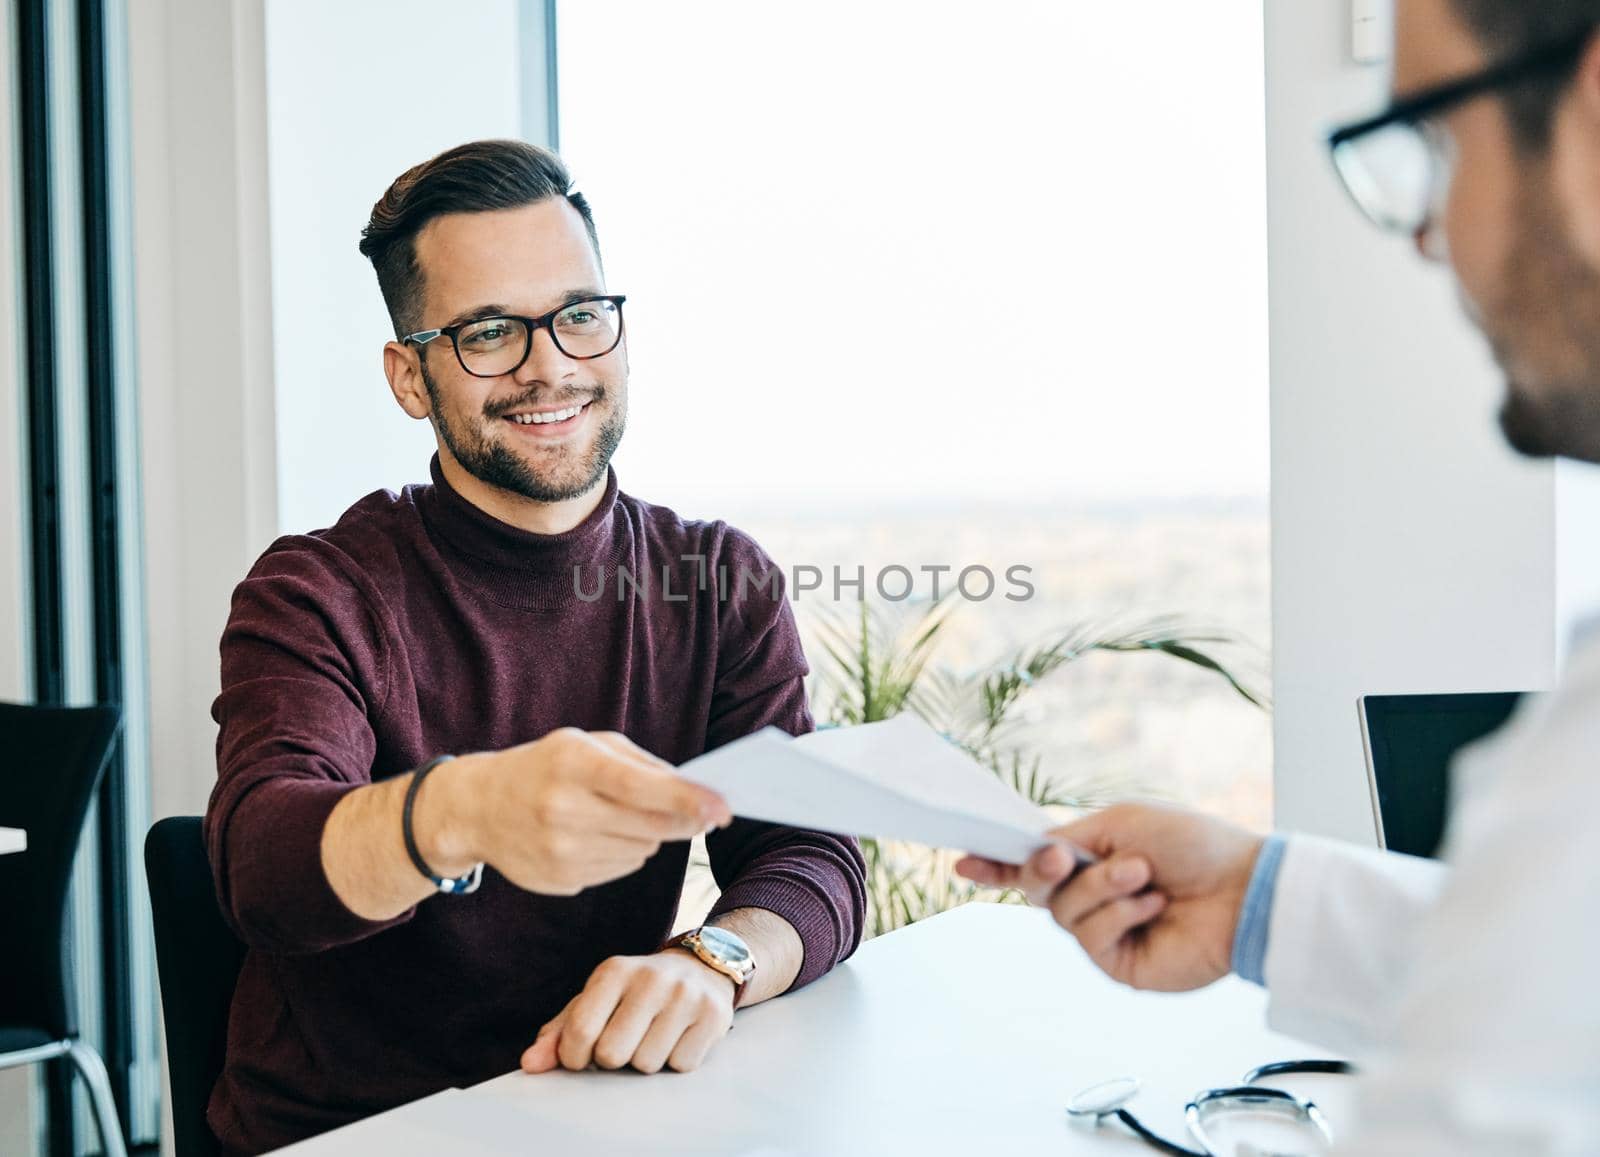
{"x": 457, "y": 886}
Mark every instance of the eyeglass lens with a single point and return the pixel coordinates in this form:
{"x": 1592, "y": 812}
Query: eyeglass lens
{"x": 1244, "y": 1124}
{"x": 498, "y": 345}
{"x": 1396, "y": 174}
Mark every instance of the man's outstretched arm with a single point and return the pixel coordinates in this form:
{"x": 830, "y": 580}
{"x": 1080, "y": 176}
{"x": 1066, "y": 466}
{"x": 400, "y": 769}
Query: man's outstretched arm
{"x": 308, "y": 852}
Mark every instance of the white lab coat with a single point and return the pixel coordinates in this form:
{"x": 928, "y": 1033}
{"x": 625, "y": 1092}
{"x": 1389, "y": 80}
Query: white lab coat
{"x": 1471, "y": 994}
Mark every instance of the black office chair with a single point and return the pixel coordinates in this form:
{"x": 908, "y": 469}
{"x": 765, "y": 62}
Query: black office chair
{"x": 198, "y": 958}
{"x": 51, "y": 761}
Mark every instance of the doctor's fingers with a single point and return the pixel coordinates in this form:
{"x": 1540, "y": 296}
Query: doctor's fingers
{"x": 1098, "y": 885}
{"x": 1038, "y": 878}
{"x": 989, "y": 873}
{"x": 1044, "y": 872}
{"x": 1103, "y": 930}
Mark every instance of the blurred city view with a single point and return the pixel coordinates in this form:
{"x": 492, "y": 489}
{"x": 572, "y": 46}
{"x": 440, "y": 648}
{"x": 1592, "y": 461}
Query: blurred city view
{"x": 1108, "y": 725}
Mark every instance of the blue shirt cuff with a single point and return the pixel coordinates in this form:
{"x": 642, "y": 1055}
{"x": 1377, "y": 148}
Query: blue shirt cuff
{"x": 1255, "y": 915}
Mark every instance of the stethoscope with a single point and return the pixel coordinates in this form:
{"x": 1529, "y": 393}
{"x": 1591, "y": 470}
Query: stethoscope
{"x": 1109, "y": 1099}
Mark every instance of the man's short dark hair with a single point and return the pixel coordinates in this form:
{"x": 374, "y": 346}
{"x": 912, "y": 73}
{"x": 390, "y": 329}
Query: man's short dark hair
{"x": 478, "y": 177}
{"x": 1508, "y": 28}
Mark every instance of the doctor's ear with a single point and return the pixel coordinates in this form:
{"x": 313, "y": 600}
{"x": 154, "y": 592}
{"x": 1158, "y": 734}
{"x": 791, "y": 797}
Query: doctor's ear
{"x": 403, "y": 367}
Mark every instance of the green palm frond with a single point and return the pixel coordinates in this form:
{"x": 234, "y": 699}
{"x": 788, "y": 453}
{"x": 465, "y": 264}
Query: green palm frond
{"x": 878, "y": 660}
{"x": 1001, "y": 689}
{"x": 880, "y": 663}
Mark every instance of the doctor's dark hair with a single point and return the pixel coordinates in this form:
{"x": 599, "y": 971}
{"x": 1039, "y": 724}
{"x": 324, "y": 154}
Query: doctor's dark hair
{"x": 1509, "y": 28}
{"x": 477, "y": 177}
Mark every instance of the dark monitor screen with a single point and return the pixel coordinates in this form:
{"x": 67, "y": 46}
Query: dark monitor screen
{"x": 1412, "y": 740}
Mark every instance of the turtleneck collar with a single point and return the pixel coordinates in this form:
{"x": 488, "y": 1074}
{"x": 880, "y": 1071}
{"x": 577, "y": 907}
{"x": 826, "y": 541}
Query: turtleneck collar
{"x": 518, "y": 567}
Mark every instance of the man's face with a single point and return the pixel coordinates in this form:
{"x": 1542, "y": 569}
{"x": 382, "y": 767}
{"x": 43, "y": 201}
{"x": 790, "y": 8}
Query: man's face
{"x": 524, "y": 262}
{"x": 1523, "y": 236}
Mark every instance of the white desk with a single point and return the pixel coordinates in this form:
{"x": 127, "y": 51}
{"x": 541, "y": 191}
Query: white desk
{"x": 965, "y": 1034}
{"x": 13, "y": 840}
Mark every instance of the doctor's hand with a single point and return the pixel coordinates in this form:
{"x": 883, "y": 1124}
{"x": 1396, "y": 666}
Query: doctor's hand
{"x": 1160, "y": 909}
{"x": 668, "y": 1009}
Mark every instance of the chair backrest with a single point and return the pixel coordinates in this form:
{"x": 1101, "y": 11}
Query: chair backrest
{"x": 1411, "y": 742}
{"x": 51, "y": 761}
{"x": 198, "y": 958}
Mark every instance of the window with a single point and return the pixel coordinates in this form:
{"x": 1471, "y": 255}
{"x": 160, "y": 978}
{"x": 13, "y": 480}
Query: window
{"x": 960, "y": 284}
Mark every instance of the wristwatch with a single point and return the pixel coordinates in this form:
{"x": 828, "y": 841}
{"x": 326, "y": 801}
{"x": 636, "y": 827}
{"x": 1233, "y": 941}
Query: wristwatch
{"x": 720, "y": 949}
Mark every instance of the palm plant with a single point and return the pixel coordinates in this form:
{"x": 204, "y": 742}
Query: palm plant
{"x": 879, "y": 664}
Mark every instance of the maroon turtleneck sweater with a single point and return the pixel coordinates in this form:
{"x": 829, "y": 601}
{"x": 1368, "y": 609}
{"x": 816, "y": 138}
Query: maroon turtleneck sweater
{"x": 418, "y": 626}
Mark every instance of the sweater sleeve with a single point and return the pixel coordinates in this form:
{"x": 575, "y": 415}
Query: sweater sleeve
{"x": 302, "y": 675}
{"x": 814, "y": 880}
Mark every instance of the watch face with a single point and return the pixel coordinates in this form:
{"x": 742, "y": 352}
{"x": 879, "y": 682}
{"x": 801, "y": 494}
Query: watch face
{"x": 725, "y": 945}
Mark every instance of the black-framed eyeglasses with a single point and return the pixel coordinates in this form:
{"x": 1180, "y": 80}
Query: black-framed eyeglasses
{"x": 1397, "y": 165}
{"x": 488, "y": 347}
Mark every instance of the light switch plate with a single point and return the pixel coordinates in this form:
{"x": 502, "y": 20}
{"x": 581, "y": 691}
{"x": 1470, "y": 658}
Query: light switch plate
{"x": 1371, "y": 30}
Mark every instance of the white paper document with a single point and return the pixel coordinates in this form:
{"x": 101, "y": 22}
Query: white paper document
{"x": 898, "y": 780}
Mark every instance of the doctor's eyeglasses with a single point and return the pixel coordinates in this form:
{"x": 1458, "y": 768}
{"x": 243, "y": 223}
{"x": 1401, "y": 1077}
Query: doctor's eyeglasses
{"x": 1397, "y": 165}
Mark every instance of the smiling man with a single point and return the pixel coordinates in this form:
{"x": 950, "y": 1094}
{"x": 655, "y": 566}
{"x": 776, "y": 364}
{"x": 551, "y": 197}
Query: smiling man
{"x": 445, "y": 822}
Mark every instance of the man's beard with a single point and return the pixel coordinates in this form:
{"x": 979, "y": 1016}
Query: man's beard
{"x": 1549, "y": 321}
{"x": 492, "y": 462}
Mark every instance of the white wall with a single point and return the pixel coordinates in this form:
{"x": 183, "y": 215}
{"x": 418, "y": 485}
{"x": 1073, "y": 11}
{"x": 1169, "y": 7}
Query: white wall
{"x": 198, "y": 127}
{"x": 350, "y": 109}
{"x": 1411, "y": 551}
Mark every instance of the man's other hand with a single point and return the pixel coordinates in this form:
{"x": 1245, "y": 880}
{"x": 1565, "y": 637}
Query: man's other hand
{"x": 665, "y": 1010}
{"x": 1160, "y": 909}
